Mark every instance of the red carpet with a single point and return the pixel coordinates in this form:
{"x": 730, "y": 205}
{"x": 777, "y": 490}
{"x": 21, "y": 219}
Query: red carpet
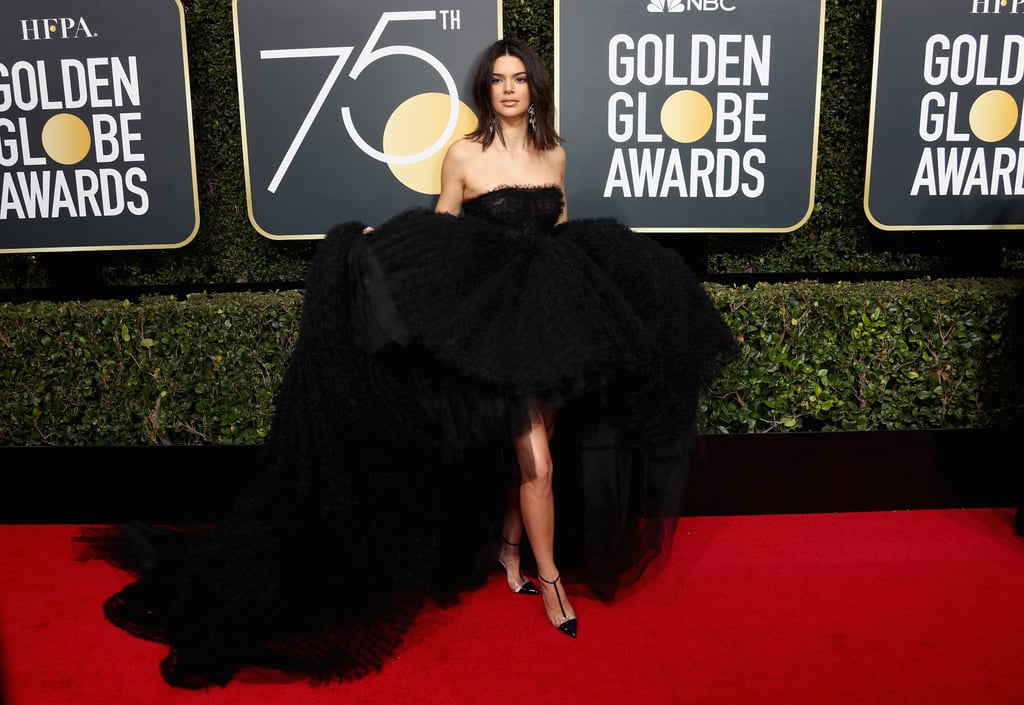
{"x": 877, "y": 608}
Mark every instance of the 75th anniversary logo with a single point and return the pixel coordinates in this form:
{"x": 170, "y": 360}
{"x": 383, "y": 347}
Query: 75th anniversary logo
{"x": 348, "y": 107}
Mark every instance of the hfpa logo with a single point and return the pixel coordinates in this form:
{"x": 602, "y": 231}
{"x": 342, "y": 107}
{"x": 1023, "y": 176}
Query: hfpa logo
{"x": 692, "y": 6}
{"x": 55, "y": 28}
{"x": 994, "y": 7}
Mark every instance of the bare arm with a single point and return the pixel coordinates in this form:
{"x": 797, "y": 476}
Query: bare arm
{"x": 560, "y": 160}
{"x": 453, "y": 179}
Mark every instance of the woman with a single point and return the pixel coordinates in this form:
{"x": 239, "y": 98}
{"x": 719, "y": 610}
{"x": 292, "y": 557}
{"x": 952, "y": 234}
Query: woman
{"x": 447, "y": 362}
{"x": 510, "y": 146}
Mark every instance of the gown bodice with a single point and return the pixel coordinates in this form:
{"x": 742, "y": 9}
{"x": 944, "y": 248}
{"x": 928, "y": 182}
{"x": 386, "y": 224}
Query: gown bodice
{"x": 521, "y": 211}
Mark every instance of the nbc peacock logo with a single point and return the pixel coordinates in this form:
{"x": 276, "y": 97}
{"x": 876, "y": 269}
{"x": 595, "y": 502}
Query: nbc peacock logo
{"x": 692, "y": 6}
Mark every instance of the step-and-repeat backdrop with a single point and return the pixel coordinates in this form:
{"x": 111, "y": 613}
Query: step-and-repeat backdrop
{"x": 691, "y": 115}
{"x": 679, "y": 115}
{"x": 348, "y": 107}
{"x": 945, "y": 140}
{"x": 96, "y": 148}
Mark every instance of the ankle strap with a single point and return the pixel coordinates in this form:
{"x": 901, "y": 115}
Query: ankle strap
{"x": 508, "y": 542}
{"x": 549, "y": 582}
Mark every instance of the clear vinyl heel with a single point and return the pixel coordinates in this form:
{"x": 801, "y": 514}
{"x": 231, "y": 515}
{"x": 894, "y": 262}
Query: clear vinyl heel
{"x": 520, "y": 585}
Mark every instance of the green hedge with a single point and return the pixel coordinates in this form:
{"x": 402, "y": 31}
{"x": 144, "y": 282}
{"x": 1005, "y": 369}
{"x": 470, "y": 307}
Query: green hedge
{"x": 917, "y": 354}
{"x": 159, "y": 372}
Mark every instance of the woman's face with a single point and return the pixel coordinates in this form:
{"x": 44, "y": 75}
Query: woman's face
{"x": 510, "y": 90}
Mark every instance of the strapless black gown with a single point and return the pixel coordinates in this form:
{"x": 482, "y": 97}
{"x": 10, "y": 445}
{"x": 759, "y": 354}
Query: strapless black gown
{"x": 420, "y": 351}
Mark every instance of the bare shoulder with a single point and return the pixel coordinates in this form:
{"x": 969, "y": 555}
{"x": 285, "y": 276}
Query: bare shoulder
{"x": 462, "y": 150}
{"x": 556, "y": 161}
{"x": 457, "y": 160}
{"x": 455, "y": 168}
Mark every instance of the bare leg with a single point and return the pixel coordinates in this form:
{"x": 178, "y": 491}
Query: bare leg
{"x": 538, "y": 514}
{"x": 511, "y": 537}
{"x": 512, "y": 527}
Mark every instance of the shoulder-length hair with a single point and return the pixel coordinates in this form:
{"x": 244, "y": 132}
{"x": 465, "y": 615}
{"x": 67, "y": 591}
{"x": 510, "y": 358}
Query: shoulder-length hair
{"x": 542, "y": 95}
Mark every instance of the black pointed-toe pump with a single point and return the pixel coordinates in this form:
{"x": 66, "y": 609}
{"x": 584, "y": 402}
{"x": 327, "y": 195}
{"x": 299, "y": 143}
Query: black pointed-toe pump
{"x": 568, "y": 624}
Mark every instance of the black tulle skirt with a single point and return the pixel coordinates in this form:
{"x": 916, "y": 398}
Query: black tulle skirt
{"x": 422, "y": 349}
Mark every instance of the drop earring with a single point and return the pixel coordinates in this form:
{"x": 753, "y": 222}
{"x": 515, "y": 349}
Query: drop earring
{"x": 533, "y": 118}
{"x": 490, "y": 124}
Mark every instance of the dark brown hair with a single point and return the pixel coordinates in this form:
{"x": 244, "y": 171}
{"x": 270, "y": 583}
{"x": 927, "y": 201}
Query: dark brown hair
{"x": 542, "y": 95}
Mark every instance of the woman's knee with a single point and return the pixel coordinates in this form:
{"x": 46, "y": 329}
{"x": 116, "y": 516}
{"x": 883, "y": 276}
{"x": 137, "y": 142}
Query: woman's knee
{"x": 538, "y": 478}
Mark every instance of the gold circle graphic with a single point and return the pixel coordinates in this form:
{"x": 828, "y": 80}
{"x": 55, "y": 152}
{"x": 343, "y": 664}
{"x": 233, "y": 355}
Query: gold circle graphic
{"x": 993, "y": 115}
{"x": 66, "y": 138}
{"x": 686, "y": 116}
{"x": 412, "y": 127}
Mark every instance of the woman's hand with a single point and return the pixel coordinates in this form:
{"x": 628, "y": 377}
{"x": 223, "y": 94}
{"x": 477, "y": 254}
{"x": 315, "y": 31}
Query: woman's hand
{"x": 367, "y": 230}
